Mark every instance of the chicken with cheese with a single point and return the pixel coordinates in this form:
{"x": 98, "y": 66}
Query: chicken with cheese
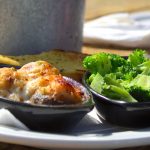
{"x": 38, "y": 83}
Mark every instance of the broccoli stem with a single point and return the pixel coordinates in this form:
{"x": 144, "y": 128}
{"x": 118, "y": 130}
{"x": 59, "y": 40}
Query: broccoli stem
{"x": 120, "y": 93}
{"x": 97, "y": 83}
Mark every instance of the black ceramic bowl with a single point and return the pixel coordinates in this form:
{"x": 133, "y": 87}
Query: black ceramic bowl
{"x": 50, "y": 117}
{"x": 120, "y": 112}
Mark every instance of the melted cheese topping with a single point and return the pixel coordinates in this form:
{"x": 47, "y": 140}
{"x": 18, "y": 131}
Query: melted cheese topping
{"x": 39, "y": 83}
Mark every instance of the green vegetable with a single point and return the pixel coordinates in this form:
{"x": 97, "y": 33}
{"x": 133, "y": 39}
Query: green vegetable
{"x": 98, "y": 63}
{"x": 144, "y": 68}
{"x": 140, "y": 87}
{"x": 97, "y": 83}
{"x": 110, "y": 87}
{"x": 117, "y": 93}
{"x": 137, "y": 57}
{"x": 118, "y": 78}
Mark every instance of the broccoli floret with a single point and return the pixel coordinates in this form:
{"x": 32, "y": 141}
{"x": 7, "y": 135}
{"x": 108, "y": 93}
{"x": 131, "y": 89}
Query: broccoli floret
{"x": 131, "y": 69}
{"x": 126, "y": 72}
{"x": 140, "y": 94}
{"x": 98, "y": 63}
{"x": 137, "y": 57}
{"x": 141, "y": 81}
{"x": 117, "y": 93}
{"x": 90, "y": 79}
{"x": 116, "y": 61}
{"x": 140, "y": 87}
{"x": 97, "y": 83}
{"x": 144, "y": 68}
{"x": 111, "y": 79}
{"x": 125, "y": 68}
{"x": 103, "y": 63}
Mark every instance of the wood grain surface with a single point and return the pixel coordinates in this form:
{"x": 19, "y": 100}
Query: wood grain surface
{"x": 96, "y": 8}
{"x": 5, "y": 146}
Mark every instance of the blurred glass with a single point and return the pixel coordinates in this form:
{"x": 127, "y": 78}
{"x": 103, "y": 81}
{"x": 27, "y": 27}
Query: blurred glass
{"x": 33, "y": 26}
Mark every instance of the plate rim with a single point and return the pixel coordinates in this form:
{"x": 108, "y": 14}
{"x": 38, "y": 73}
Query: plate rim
{"x": 59, "y": 141}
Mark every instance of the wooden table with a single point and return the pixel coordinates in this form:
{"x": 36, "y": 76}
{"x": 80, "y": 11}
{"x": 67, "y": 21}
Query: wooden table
{"x": 87, "y": 50}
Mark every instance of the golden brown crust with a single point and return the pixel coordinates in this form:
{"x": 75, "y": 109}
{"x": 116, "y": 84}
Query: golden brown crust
{"x": 7, "y": 75}
{"x": 39, "y": 83}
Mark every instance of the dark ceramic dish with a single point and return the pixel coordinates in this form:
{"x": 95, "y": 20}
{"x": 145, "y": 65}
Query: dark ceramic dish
{"x": 50, "y": 117}
{"x": 120, "y": 112}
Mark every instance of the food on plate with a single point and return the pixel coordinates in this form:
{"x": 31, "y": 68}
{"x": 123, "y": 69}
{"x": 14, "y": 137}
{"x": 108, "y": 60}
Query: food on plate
{"x": 69, "y": 63}
{"x": 38, "y": 83}
{"x": 120, "y": 78}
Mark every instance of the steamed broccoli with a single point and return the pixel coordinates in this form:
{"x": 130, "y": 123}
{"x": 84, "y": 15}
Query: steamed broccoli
{"x": 140, "y": 87}
{"x": 110, "y": 87}
{"x": 103, "y": 63}
{"x": 116, "y": 61}
{"x": 144, "y": 68}
{"x": 98, "y": 63}
{"x": 131, "y": 68}
{"x": 117, "y": 93}
{"x": 97, "y": 83}
{"x": 113, "y": 89}
{"x": 137, "y": 57}
{"x": 120, "y": 78}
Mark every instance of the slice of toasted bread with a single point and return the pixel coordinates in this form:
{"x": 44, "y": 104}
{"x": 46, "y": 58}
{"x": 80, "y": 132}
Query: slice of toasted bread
{"x": 69, "y": 63}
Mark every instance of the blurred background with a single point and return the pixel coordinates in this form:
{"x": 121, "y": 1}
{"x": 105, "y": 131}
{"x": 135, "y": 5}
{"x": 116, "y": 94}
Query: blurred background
{"x": 96, "y": 8}
{"x": 118, "y": 24}
{"x": 42, "y": 26}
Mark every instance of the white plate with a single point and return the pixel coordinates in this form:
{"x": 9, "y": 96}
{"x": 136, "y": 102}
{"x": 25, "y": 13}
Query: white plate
{"x": 90, "y": 133}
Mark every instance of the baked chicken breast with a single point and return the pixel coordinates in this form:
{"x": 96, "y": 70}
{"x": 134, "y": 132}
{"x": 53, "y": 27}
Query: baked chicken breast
{"x": 38, "y": 83}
